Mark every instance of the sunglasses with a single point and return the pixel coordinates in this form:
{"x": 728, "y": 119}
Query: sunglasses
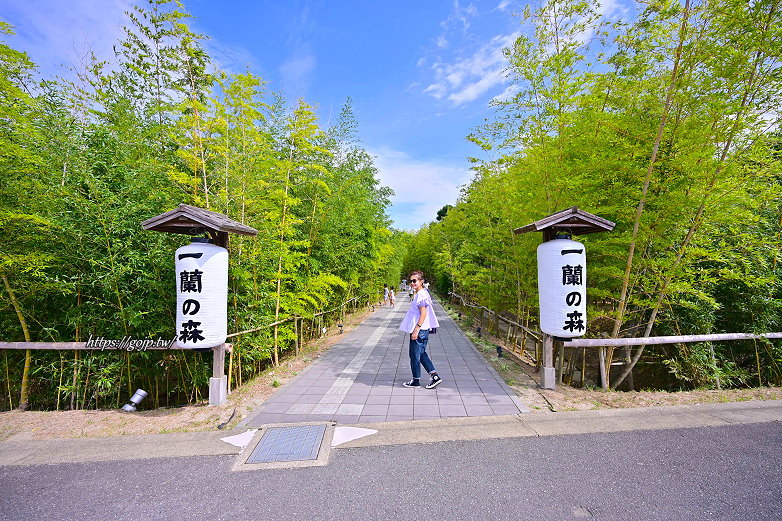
{"x": 413, "y": 280}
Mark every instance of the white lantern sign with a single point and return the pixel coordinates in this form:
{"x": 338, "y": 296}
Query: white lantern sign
{"x": 562, "y": 287}
{"x": 202, "y": 294}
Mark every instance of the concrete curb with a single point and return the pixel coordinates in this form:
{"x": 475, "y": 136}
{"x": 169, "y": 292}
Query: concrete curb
{"x": 570, "y": 423}
{"x": 209, "y": 443}
{"x": 115, "y": 448}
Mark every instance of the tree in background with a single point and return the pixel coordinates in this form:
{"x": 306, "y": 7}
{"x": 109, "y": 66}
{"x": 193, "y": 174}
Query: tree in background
{"x": 85, "y": 162}
{"x": 665, "y": 125}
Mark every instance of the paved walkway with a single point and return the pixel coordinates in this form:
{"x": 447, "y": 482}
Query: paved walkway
{"x": 359, "y": 380}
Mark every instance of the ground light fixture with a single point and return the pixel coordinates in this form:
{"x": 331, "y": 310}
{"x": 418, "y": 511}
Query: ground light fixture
{"x": 139, "y": 395}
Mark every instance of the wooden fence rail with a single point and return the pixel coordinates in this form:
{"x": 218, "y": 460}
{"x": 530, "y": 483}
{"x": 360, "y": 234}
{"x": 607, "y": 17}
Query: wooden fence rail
{"x": 602, "y": 343}
{"x": 125, "y": 343}
{"x": 657, "y": 340}
{"x": 219, "y": 383}
{"x": 512, "y": 342}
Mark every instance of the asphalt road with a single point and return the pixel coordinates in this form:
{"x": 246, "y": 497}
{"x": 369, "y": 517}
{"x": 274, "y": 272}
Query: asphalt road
{"x": 707, "y": 473}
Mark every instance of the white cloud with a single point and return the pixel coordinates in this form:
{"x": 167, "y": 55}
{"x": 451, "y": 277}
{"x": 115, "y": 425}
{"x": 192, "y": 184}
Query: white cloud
{"x": 508, "y": 93}
{"x": 296, "y": 72}
{"x": 421, "y": 186}
{"x": 503, "y": 5}
{"x": 56, "y": 33}
{"x": 611, "y": 9}
{"x": 466, "y": 79}
{"x": 233, "y": 59}
{"x": 607, "y": 10}
{"x": 436, "y": 90}
{"x": 463, "y": 14}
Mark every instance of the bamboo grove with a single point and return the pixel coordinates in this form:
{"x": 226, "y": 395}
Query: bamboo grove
{"x": 668, "y": 125}
{"x": 84, "y": 162}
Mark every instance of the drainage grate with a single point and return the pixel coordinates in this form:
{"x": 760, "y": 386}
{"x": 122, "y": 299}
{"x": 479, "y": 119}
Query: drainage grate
{"x": 288, "y": 444}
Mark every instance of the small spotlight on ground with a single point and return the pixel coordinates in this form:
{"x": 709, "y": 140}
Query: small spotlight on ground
{"x": 139, "y": 395}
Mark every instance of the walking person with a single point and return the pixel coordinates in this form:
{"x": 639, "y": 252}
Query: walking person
{"x": 418, "y": 321}
{"x": 385, "y": 294}
{"x": 391, "y": 296}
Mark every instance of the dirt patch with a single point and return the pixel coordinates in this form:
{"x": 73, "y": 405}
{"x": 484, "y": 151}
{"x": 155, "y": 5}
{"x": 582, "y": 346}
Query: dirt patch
{"x": 40, "y": 425}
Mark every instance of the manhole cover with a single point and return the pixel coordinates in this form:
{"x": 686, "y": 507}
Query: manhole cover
{"x": 287, "y": 445}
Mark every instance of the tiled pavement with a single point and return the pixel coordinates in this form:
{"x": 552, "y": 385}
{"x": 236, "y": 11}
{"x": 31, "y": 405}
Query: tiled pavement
{"x": 359, "y": 380}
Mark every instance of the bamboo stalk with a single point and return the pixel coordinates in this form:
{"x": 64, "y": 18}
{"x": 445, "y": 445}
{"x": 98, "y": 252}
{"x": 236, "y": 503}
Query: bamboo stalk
{"x": 59, "y": 385}
{"x": 647, "y": 181}
{"x": 130, "y": 383}
{"x": 583, "y": 364}
{"x": 24, "y": 402}
{"x": 757, "y": 359}
{"x": 86, "y": 386}
{"x": 8, "y": 383}
{"x": 296, "y": 335}
{"x": 75, "y": 391}
{"x": 231, "y": 366}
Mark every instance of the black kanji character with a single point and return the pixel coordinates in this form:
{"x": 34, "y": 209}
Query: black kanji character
{"x": 574, "y": 322}
{"x": 190, "y": 281}
{"x": 572, "y": 275}
{"x": 190, "y": 332}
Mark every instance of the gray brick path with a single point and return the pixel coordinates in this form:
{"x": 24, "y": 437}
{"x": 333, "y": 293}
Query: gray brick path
{"x": 359, "y": 380}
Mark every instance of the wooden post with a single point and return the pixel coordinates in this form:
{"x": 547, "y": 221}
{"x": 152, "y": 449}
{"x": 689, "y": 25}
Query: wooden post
{"x": 218, "y": 384}
{"x": 230, "y": 369}
{"x": 548, "y": 378}
{"x": 583, "y": 364}
{"x": 296, "y": 333}
{"x": 507, "y": 336}
{"x": 560, "y": 361}
{"x": 603, "y": 380}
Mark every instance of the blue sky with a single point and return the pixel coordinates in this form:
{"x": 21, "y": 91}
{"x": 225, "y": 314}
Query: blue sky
{"x": 421, "y": 73}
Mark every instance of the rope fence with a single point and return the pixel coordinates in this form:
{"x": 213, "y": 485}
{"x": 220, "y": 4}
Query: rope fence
{"x": 516, "y": 337}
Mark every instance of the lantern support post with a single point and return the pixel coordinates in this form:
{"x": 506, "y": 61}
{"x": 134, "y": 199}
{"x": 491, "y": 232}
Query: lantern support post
{"x": 574, "y": 222}
{"x": 194, "y": 221}
{"x": 548, "y": 376}
{"x": 218, "y": 383}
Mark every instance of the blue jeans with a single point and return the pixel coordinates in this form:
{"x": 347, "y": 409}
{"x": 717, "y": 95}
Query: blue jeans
{"x": 418, "y": 355}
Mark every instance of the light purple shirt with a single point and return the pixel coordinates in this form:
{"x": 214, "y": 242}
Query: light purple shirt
{"x": 421, "y": 298}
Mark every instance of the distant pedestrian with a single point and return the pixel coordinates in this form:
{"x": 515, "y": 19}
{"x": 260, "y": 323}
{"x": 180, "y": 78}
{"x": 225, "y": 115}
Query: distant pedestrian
{"x": 385, "y": 294}
{"x": 411, "y": 291}
{"x": 418, "y": 321}
{"x": 391, "y": 296}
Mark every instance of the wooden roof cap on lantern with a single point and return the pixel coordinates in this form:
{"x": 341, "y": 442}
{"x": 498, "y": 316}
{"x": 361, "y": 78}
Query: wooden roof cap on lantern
{"x": 577, "y": 222}
{"x": 190, "y": 220}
